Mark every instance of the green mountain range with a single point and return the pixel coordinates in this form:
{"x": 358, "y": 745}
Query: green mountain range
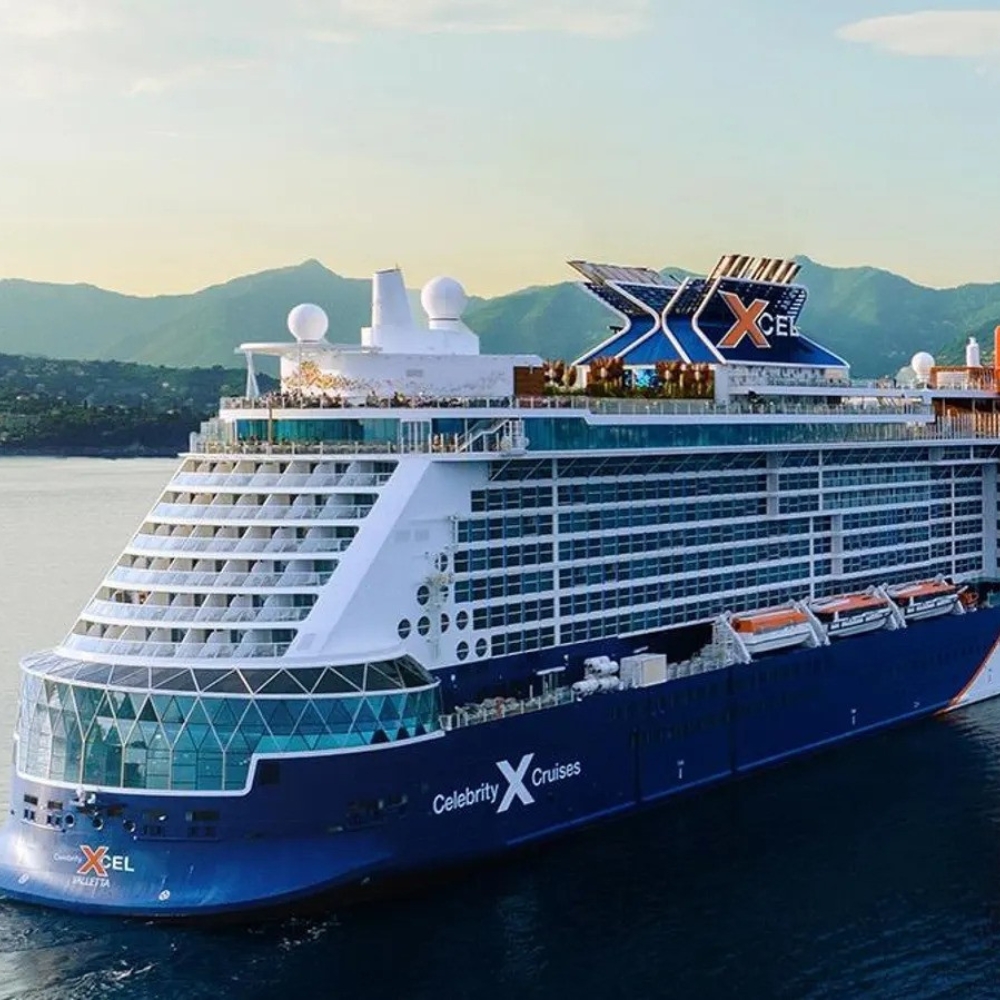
{"x": 875, "y": 319}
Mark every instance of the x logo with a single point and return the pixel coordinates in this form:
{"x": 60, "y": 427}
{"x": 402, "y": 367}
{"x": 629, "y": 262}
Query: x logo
{"x": 94, "y": 861}
{"x": 746, "y": 321}
{"x": 515, "y": 782}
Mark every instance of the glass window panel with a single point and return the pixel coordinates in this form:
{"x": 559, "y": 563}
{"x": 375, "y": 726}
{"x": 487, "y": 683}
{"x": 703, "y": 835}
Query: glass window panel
{"x": 308, "y": 677}
{"x": 310, "y": 722}
{"x": 282, "y": 683}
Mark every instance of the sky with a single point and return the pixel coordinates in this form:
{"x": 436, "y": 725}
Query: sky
{"x": 152, "y": 146}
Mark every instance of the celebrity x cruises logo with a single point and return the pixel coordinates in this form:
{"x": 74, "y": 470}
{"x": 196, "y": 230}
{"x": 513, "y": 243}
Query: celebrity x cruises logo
{"x": 755, "y": 322}
{"x": 93, "y": 862}
{"x": 516, "y": 788}
{"x": 747, "y": 321}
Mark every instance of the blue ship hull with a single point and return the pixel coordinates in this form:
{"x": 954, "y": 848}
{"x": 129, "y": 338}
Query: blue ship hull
{"x": 359, "y": 821}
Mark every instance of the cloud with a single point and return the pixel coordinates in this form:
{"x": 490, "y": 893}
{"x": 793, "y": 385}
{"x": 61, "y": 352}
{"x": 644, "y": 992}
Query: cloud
{"x": 186, "y": 75}
{"x": 599, "y": 18}
{"x": 51, "y": 18}
{"x": 957, "y": 34}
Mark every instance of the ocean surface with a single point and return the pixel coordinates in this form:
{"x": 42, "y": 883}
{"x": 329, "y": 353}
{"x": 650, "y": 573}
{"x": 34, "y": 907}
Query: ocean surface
{"x": 870, "y": 871}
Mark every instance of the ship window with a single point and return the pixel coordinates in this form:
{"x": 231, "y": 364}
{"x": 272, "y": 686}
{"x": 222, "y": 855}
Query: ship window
{"x": 424, "y": 625}
{"x": 423, "y": 594}
{"x": 481, "y": 647}
{"x": 462, "y": 620}
{"x": 202, "y": 816}
{"x": 404, "y": 628}
{"x": 462, "y": 650}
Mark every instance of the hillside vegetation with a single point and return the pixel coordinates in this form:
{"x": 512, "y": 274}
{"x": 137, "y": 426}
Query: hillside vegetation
{"x": 875, "y": 319}
{"x": 105, "y": 407}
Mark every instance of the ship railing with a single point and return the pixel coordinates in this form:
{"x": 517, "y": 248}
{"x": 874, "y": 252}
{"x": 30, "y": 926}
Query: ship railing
{"x": 921, "y": 428}
{"x": 622, "y": 406}
{"x": 193, "y": 650}
{"x": 264, "y": 512}
{"x": 494, "y": 709}
{"x": 276, "y": 481}
{"x": 323, "y": 449}
{"x": 190, "y": 578}
{"x": 739, "y": 376}
{"x": 121, "y": 611}
{"x": 257, "y": 546}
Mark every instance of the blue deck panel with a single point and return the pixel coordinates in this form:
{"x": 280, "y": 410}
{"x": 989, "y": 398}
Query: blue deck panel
{"x": 637, "y": 328}
{"x": 689, "y": 339}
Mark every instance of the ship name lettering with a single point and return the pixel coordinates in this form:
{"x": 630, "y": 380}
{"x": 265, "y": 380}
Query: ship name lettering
{"x": 463, "y": 798}
{"x": 558, "y": 772}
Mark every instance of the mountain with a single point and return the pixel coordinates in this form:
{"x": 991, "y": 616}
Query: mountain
{"x": 197, "y": 330}
{"x": 875, "y": 319}
{"x": 878, "y": 320}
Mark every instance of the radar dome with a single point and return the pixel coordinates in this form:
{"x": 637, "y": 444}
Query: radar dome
{"x": 922, "y": 363}
{"x": 307, "y": 323}
{"x": 443, "y": 299}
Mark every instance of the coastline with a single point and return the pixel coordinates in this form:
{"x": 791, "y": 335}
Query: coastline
{"x": 96, "y": 451}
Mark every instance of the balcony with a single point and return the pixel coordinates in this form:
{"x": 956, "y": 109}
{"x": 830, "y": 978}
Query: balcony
{"x": 163, "y": 578}
{"x": 193, "y": 512}
{"x": 171, "y": 544}
{"x": 164, "y": 615}
{"x": 184, "y": 650}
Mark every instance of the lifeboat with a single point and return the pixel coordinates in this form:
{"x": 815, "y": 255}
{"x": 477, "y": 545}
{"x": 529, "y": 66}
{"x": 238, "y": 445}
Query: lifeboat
{"x": 926, "y": 598}
{"x": 852, "y": 614}
{"x": 773, "y": 628}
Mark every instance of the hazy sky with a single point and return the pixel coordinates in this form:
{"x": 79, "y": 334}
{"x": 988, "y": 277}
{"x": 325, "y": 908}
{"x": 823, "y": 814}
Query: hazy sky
{"x": 162, "y": 145}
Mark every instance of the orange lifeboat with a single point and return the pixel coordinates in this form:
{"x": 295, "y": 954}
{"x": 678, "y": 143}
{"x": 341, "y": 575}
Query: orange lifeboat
{"x": 926, "y": 598}
{"x": 772, "y": 628}
{"x": 852, "y": 614}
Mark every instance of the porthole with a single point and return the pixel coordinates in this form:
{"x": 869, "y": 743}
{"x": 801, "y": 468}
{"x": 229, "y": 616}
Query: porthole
{"x": 445, "y": 623}
{"x": 423, "y": 594}
{"x": 424, "y": 625}
{"x": 69, "y": 820}
{"x": 98, "y": 822}
{"x": 462, "y": 650}
{"x": 404, "y": 628}
{"x": 441, "y": 562}
{"x": 481, "y": 648}
{"x": 462, "y": 620}
{"x": 129, "y": 825}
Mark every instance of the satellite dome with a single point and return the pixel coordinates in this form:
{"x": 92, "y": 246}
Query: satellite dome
{"x": 443, "y": 298}
{"x": 922, "y": 363}
{"x": 307, "y": 323}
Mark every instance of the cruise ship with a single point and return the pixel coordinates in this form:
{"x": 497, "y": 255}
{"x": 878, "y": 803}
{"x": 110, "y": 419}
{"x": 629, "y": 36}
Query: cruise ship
{"x": 421, "y": 605}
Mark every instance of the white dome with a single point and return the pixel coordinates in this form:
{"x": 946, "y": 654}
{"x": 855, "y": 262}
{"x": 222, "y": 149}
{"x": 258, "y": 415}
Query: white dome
{"x": 922, "y": 363}
{"x": 307, "y": 323}
{"x": 443, "y": 298}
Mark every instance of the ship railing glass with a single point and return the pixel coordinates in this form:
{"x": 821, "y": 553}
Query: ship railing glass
{"x": 111, "y": 737}
{"x": 282, "y": 480}
{"x": 144, "y": 542}
{"x": 267, "y": 512}
{"x": 243, "y": 650}
{"x": 120, "y": 611}
{"x": 615, "y": 406}
{"x": 184, "y": 578}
